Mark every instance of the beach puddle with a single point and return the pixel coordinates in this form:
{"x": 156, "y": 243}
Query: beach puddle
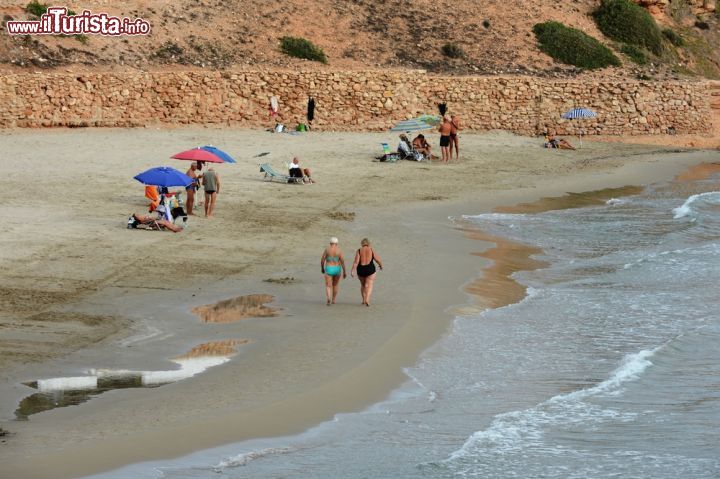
{"x": 703, "y": 171}
{"x": 235, "y": 309}
{"x": 71, "y": 391}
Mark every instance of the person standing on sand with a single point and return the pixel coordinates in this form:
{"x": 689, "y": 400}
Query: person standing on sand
{"x": 211, "y": 183}
{"x": 445, "y": 128}
{"x": 310, "y": 111}
{"x": 191, "y": 188}
{"x": 274, "y": 108}
{"x": 332, "y": 264}
{"x": 454, "y": 140}
{"x": 364, "y": 265}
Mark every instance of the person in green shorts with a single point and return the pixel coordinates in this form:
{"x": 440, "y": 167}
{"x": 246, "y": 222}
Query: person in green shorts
{"x": 332, "y": 264}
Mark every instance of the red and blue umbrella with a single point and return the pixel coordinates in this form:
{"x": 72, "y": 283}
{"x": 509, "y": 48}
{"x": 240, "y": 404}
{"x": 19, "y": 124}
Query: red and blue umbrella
{"x": 164, "y": 176}
{"x": 198, "y": 154}
{"x": 219, "y": 153}
{"x": 206, "y": 153}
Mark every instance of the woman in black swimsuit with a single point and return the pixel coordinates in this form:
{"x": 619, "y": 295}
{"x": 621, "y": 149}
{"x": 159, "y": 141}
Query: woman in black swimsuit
{"x": 364, "y": 264}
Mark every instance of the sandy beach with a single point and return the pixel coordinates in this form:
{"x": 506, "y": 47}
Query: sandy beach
{"x": 80, "y": 291}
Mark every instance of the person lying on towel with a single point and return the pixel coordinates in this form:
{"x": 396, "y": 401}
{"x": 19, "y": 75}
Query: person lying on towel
{"x": 554, "y": 142}
{"x": 158, "y": 222}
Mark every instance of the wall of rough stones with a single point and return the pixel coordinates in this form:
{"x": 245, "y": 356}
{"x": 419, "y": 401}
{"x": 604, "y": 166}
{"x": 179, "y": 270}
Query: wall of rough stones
{"x": 370, "y": 100}
{"x": 660, "y": 7}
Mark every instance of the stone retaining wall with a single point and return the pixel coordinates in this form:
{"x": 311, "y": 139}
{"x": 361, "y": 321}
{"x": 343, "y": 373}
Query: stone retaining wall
{"x": 371, "y": 100}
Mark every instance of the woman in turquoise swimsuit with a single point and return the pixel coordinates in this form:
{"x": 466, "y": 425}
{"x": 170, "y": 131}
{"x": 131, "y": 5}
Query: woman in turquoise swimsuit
{"x": 332, "y": 264}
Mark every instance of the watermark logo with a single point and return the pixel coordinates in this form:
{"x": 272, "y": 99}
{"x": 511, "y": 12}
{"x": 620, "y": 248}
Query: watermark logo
{"x": 56, "y": 21}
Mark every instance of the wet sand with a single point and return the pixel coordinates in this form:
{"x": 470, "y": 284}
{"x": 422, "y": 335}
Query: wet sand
{"x": 69, "y": 257}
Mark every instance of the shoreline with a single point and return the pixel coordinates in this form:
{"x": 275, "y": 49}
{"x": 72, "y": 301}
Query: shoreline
{"x": 347, "y": 384}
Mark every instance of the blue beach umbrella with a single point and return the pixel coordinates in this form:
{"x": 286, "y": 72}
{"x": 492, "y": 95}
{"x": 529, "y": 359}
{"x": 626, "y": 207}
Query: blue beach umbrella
{"x": 163, "y": 176}
{"x": 411, "y": 125}
{"x": 219, "y": 153}
{"x": 576, "y": 113}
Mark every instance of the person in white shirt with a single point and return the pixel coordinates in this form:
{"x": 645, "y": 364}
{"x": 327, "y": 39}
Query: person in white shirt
{"x": 296, "y": 171}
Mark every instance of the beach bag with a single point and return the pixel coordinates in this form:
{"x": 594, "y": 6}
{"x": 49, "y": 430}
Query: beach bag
{"x": 301, "y": 127}
{"x": 390, "y": 157}
{"x": 279, "y": 127}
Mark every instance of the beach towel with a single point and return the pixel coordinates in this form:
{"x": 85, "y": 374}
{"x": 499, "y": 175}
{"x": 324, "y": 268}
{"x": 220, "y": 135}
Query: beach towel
{"x": 274, "y": 106}
{"x": 164, "y": 213}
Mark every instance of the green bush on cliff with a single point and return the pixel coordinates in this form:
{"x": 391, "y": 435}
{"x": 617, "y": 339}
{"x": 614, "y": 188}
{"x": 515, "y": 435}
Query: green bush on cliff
{"x": 36, "y": 8}
{"x": 39, "y": 9}
{"x": 673, "y": 37}
{"x": 301, "y": 48}
{"x": 636, "y": 54}
{"x": 573, "y": 47}
{"x": 627, "y": 22}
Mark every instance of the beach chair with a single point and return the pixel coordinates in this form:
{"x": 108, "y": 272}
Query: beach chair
{"x": 271, "y": 174}
{"x": 407, "y": 152}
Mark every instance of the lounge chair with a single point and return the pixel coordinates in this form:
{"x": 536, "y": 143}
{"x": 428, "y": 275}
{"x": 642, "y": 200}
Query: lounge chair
{"x": 407, "y": 152}
{"x": 271, "y": 174}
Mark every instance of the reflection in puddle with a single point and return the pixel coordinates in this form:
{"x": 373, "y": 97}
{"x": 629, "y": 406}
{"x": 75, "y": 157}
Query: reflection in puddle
{"x": 60, "y": 392}
{"x": 699, "y": 172}
{"x": 497, "y": 287}
{"x": 570, "y": 200}
{"x": 229, "y": 310}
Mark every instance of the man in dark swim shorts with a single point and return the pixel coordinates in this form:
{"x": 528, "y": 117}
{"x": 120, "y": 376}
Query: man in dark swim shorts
{"x": 445, "y": 129}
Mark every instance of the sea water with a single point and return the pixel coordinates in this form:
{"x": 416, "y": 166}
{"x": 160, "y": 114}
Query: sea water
{"x": 609, "y": 367}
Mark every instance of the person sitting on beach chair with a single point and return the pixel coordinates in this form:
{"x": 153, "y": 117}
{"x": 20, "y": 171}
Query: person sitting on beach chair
{"x": 296, "y": 171}
{"x": 155, "y": 223}
{"x": 406, "y": 151}
{"x": 271, "y": 174}
{"x": 560, "y": 143}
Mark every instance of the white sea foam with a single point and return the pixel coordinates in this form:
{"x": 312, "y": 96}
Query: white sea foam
{"x": 510, "y": 431}
{"x": 245, "y": 458}
{"x": 614, "y": 202}
{"x": 64, "y": 384}
{"x": 633, "y": 365}
{"x": 188, "y": 368}
{"x": 686, "y": 208}
{"x": 493, "y": 216}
